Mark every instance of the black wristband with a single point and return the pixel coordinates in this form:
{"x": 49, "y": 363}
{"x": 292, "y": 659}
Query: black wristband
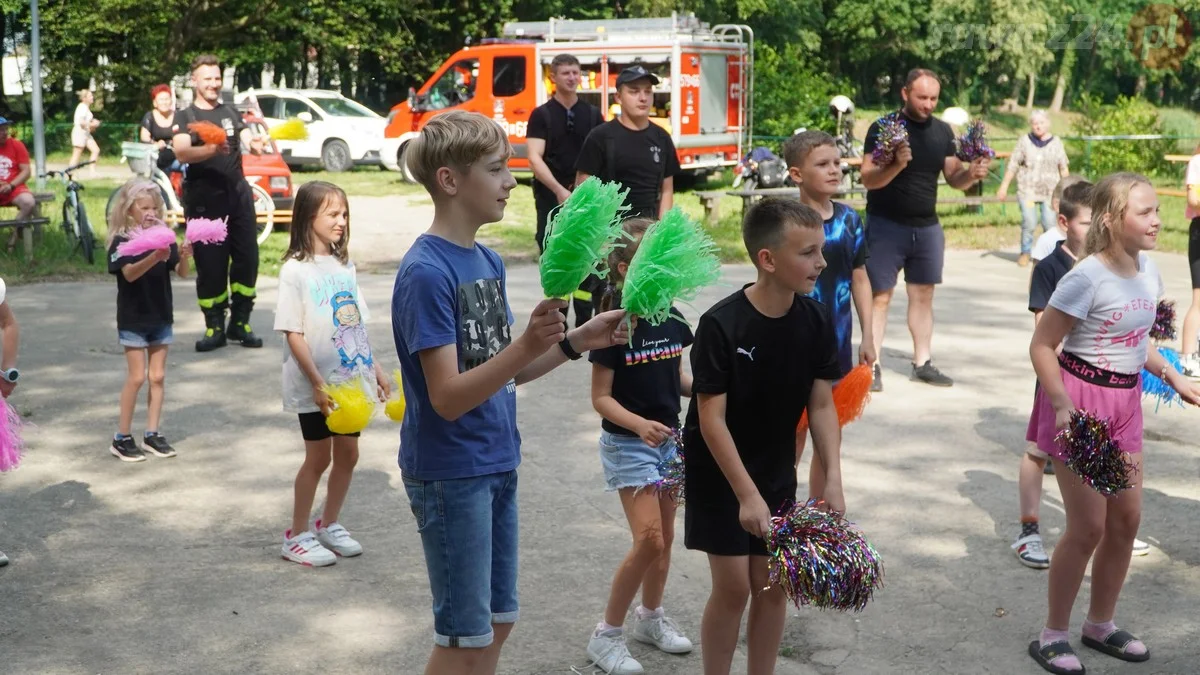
{"x": 565, "y": 344}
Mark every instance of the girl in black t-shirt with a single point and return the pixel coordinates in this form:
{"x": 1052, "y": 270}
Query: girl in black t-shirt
{"x": 144, "y": 313}
{"x": 636, "y": 388}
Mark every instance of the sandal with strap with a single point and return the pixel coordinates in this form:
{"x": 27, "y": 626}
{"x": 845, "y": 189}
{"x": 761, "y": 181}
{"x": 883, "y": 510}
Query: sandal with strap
{"x": 1114, "y": 645}
{"x": 1044, "y": 656}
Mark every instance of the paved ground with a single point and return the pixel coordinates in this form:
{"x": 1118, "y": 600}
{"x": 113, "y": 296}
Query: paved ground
{"x": 172, "y": 566}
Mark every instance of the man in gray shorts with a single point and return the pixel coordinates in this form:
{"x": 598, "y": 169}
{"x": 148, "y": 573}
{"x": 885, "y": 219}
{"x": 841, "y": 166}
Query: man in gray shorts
{"x": 903, "y": 231}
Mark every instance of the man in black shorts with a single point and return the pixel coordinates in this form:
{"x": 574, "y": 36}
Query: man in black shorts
{"x": 903, "y": 231}
{"x": 557, "y": 130}
{"x": 632, "y": 151}
{"x": 214, "y": 187}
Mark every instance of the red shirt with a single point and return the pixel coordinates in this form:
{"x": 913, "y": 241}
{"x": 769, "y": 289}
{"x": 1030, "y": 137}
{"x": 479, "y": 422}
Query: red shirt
{"x": 12, "y": 155}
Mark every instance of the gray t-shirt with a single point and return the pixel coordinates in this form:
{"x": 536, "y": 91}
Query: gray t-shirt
{"x": 1114, "y": 313}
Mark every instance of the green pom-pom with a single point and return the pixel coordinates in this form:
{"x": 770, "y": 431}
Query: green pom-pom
{"x": 581, "y": 234}
{"x": 675, "y": 260}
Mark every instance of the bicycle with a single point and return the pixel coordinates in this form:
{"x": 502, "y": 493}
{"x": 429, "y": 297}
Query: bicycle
{"x": 143, "y": 160}
{"x": 75, "y": 223}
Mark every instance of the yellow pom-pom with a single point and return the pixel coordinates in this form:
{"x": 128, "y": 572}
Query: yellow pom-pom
{"x": 352, "y": 407}
{"x": 291, "y": 130}
{"x": 395, "y": 406}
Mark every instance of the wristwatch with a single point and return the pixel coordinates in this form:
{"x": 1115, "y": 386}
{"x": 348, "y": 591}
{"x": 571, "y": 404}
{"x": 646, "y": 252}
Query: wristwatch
{"x": 565, "y": 344}
{"x": 10, "y": 375}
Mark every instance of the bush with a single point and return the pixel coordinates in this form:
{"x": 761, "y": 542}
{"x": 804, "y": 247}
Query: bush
{"x": 1129, "y": 116}
{"x": 789, "y": 95}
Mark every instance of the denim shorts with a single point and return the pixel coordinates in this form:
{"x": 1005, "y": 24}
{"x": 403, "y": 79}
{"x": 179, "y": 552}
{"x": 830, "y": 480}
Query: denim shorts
{"x": 146, "y": 337}
{"x": 468, "y": 529}
{"x": 629, "y": 463}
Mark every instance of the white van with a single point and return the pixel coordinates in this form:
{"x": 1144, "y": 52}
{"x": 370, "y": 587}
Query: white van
{"x": 341, "y": 132}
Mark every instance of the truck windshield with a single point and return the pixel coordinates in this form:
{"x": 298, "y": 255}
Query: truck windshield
{"x": 342, "y": 107}
{"x": 454, "y": 87}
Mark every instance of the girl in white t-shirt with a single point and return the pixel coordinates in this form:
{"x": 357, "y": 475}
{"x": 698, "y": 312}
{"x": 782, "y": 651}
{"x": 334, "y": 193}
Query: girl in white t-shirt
{"x": 322, "y": 314}
{"x": 1103, "y": 308}
{"x": 81, "y": 131}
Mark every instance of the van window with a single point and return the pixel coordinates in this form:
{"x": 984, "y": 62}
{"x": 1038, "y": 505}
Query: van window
{"x": 454, "y": 87}
{"x": 293, "y": 107}
{"x": 269, "y": 105}
{"x": 509, "y": 77}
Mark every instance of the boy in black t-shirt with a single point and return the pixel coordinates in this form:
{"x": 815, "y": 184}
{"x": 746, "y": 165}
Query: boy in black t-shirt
{"x": 1075, "y": 217}
{"x": 759, "y": 358}
{"x": 632, "y": 151}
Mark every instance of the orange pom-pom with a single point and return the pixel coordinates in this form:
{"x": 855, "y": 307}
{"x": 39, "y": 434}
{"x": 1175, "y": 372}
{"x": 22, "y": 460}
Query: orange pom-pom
{"x": 209, "y": 133}
{"x": 850, "y": 397}
{"x": 852, "y": 393}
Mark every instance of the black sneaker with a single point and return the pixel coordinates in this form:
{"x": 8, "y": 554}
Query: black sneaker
{"x": 158, "y": 446}
{"x": 877, "y": 379}
{"x": 126, "y": 450}
{"x": 929, "y": 374}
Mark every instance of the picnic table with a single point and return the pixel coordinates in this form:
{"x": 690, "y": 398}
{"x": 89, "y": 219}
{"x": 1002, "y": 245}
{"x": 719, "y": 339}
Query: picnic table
{"x": 31, "y": 228}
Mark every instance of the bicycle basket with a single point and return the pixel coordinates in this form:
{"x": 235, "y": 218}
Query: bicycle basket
{"x": 140, "y": 156}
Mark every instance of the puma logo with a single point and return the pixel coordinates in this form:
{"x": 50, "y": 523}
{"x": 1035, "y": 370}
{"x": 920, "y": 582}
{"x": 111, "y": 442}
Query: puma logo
{"x": 749, "y": 354}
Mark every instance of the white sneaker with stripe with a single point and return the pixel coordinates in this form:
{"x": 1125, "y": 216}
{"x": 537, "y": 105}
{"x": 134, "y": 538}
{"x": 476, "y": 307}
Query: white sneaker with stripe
{"x": 306, "y": 550}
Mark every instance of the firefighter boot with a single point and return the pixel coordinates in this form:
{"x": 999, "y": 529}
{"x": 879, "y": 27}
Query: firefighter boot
{"x": 239, "y": 324}
{"x": 214, "y": 335}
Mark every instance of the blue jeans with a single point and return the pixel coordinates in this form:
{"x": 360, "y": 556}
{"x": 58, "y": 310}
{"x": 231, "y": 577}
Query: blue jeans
{"x": 468, "y": 529}
{"x": 1029, "y": 218}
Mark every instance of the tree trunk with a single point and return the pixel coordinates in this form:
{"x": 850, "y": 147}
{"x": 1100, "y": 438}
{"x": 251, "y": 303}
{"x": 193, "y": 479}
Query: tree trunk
{"x": 1032, "y": 88}
{"x": 1139, "y": 87}
{"x": 1060, "y": 84}
{"x": 4, "y": 107}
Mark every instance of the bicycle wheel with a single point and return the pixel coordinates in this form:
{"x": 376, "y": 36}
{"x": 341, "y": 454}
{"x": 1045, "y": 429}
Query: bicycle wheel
{"x": 87, "y": 238}
{"x": 68, "y": 222}
{"x": 264, "y": 211}
{"x": 109, "y": 206}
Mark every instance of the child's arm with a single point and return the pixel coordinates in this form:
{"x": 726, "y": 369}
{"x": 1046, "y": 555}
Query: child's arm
{"x": 134, "y": 271}
{"x": 652, "y": 433}
{"x": 1051, "y": 329}
{"x": 860, "y": 292}
{"x": 382, "y": 383}
{"x": 11, "y": 343}
{"x": 1155, "y": 363}
{"x": 827, "y": 441}
{"x": 299, "y": 349}
{"x": 685, "y": 381}
{"x": 184, "y": 267}
{"x": 1037, "y": 317}
{"x": 603, "y": 330}
{"x": 753, "y": 513}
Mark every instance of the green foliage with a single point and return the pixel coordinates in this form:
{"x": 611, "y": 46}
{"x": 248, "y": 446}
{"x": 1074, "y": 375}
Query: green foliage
{"x": 1128, "y": 116}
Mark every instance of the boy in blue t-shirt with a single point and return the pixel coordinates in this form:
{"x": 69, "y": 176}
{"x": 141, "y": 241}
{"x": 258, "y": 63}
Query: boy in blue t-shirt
{"x": 814, "y": 164}
{"x": 459, "y": 444}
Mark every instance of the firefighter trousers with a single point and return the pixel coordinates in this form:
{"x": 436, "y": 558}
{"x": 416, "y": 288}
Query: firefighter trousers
{"x": 231, "y": 266}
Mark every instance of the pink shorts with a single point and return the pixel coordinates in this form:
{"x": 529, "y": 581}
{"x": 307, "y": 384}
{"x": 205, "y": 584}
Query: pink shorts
{"x": 1122, "y": 407}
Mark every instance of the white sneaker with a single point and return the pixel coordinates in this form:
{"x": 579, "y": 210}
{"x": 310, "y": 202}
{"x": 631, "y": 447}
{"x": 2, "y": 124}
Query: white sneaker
{"x": 3, "y": 559}
{"x": 662, "y": 632}
{"x": 1031, "y": 552}
{"x": 337, "y": 539}
{"x": 608, "y": 651}
{"x": 306, "y": 550}
{"x": 1140, "y": 547}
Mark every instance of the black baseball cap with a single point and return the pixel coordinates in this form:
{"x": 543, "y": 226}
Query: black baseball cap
{"x": 635, "y": 73}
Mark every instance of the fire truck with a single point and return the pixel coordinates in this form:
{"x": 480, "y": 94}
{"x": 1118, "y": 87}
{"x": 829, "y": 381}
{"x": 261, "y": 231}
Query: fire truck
{"x": 703, "y": 98}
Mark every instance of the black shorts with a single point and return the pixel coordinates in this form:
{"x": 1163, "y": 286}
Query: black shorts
{"x": 919, "y": 251}
{"x": 313, "y": 427}
{"x": 713, "y": 526}
{"x": 1194, "y": 251}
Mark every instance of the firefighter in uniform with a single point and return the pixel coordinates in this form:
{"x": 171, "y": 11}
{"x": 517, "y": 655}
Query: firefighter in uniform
{"x": 214, "y": 187}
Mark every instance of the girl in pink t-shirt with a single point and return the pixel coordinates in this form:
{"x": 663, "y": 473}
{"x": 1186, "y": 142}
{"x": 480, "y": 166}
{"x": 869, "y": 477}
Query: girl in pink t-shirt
{"x": 1101, "y": 313}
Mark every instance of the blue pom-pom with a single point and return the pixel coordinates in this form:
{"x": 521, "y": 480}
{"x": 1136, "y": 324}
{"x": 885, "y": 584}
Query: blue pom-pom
{"x": 1154, "y": 387}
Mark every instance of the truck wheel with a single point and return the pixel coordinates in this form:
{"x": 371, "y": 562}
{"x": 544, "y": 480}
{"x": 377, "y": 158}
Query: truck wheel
{"x": 402, "y": 160}
{"x": 335, "y": 156}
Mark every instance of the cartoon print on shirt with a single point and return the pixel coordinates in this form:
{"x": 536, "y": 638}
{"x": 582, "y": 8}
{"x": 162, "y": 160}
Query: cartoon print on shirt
{"x": 350, "y": 335}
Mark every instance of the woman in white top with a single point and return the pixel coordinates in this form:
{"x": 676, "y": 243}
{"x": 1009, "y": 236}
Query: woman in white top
{"x": 81, "y": 132}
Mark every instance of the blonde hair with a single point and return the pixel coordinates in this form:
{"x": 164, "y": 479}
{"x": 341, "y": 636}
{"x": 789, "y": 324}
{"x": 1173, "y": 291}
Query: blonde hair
{"x": 1110, "y": 200}
{"x": 310, "y": 199}
{"x": 635, "y": 229}
{"x": 456, "y": 139}
{"x": 119, "y": 219}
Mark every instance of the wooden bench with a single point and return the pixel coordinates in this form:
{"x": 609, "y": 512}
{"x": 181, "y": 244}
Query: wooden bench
{"x": 1168, "y": 192}
{"x": 282, "y": 217}
{"x": 31, "y": 228}
{"x": 1178, "y": 158}
{"x": 711, "y": 201}
{"x": 859, "y": 203}
{"x": 748, "y": 196}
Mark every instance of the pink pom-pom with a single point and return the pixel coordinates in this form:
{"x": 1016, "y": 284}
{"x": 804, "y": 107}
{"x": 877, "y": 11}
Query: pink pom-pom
{"x": 12, "y": 447}
{"x": 146, "y": 240}
{"x": 206, "y": 231}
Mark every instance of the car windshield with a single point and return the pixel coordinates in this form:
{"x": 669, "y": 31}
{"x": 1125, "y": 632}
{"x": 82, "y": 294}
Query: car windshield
{"x": 342, "y": 107}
